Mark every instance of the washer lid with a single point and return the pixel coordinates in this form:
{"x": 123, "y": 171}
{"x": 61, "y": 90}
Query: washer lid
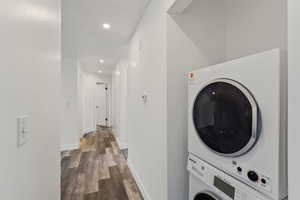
{"x": 206, "y": 196}
{"x": 225, "y": 117}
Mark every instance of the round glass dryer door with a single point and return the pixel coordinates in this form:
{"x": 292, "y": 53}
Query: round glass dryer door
{"x": 205, "y": 196}
{"x": 225, "y": 117}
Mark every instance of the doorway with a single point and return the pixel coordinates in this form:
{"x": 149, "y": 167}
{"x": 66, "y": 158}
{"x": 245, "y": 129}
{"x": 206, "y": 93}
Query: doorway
{"x": 101, "y": 99}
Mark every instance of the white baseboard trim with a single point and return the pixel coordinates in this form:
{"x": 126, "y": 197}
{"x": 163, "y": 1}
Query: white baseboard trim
{"x": 122, "y": 145}
{"x": 68, "y": 147}
{"x": 138, "y": 180}
{"x": 89, "y": 130}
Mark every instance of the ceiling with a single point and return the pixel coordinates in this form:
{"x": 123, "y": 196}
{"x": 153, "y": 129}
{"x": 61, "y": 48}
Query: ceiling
{"x": 83, "y": 37}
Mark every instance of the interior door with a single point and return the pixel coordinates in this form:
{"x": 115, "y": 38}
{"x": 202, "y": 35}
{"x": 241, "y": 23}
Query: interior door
{"x": 101, "y": 104}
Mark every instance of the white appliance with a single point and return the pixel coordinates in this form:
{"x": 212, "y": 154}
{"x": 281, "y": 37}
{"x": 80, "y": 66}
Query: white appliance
{"x": 209, "y": 183}
{"x": 237, "y": 120}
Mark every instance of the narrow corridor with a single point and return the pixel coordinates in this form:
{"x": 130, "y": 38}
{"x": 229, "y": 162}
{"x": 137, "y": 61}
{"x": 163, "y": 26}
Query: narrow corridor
{"x": 98, "y": 171}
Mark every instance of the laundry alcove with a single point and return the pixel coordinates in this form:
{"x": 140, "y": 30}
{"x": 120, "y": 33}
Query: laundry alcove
{"x": 228, "y": 29}
{"x": 202, "y": 33}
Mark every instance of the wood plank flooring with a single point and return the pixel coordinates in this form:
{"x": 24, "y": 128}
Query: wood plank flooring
{"x": 97, "y": 171}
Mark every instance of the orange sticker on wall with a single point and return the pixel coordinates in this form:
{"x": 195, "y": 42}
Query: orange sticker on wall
{"x": 191, "y": 78}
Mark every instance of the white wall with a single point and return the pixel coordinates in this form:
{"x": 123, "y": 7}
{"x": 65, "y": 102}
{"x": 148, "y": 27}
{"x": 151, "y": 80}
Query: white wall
{"x": 70, "y": 134}
{"x": 204, "y": 24}
{"x": 194, "y": 39}
{"x": 71, "y": 129}
{"x": 294, "y": 98}
{"x": 147, "y": 125}
{"x": 210, "y": 32}
{"x": 120, "y": 111}
{"x": 30, "y": 85}
{"x": 115, "y": 101}
{"x": 255, "y": 26}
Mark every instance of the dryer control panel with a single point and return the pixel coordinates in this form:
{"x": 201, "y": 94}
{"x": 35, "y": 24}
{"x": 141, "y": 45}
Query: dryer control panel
{"x": 224, "y": 185}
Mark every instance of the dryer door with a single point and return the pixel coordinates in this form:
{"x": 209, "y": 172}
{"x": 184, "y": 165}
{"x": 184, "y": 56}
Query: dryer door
{"x": 225, "y": 117}
{"x": 206, "y": 196}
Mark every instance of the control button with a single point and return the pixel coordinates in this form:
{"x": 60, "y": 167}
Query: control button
{"x": 252, "y": 175}
{"x": 263, "y": 181}
{"x": 239, "y": 169}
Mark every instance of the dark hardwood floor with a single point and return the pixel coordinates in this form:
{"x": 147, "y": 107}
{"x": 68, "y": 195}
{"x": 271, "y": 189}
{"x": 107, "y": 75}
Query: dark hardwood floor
{"x": 97, "y": 171}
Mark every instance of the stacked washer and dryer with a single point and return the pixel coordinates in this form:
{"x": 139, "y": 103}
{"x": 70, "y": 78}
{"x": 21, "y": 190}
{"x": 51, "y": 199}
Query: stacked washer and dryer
{"x": 237, "y": 130}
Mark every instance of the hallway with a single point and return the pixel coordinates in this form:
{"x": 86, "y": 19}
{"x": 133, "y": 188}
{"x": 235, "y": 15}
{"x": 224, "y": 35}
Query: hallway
{"x": 98, "y": 171}
{"x": 150, "y": 100}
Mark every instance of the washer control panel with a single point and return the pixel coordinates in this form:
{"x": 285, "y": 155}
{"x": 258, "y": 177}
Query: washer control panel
{"x": 252, "y": 177}
{"x": 225, "y": 186}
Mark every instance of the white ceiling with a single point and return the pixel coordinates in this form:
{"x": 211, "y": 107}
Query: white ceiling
{"x": 84, "y": 38}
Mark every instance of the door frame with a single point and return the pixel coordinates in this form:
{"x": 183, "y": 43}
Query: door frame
{"x": 107, "y": 103}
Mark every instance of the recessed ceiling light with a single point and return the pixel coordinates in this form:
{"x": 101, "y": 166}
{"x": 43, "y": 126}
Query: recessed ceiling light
{"x": 106, "y": 26}
{"x": 100, "y": 71}
{"x": 101, "y": 61}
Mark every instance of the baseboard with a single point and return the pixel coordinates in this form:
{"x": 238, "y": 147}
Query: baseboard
{"x": 122, "y": 145}
{"x": 138, "y": 180}
{"x": 90, "y": 130}
{"x": 69, "y": 147}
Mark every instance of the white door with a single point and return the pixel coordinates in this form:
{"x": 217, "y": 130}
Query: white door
{"x": 101, "y": 104}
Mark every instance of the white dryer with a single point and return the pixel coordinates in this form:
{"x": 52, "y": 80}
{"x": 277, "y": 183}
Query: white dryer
{"x": 237, "y": 120}
{"x": 209, "y": 183}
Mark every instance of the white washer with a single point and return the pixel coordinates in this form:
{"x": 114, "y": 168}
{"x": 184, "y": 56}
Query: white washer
{"x": 237, "y": 120}
{"x": 209, "y": 183}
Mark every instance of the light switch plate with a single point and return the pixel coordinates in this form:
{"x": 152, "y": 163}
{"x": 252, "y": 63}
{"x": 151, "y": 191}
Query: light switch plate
{"x": 144, "y": 98}
{"x": 22, "y": 130}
